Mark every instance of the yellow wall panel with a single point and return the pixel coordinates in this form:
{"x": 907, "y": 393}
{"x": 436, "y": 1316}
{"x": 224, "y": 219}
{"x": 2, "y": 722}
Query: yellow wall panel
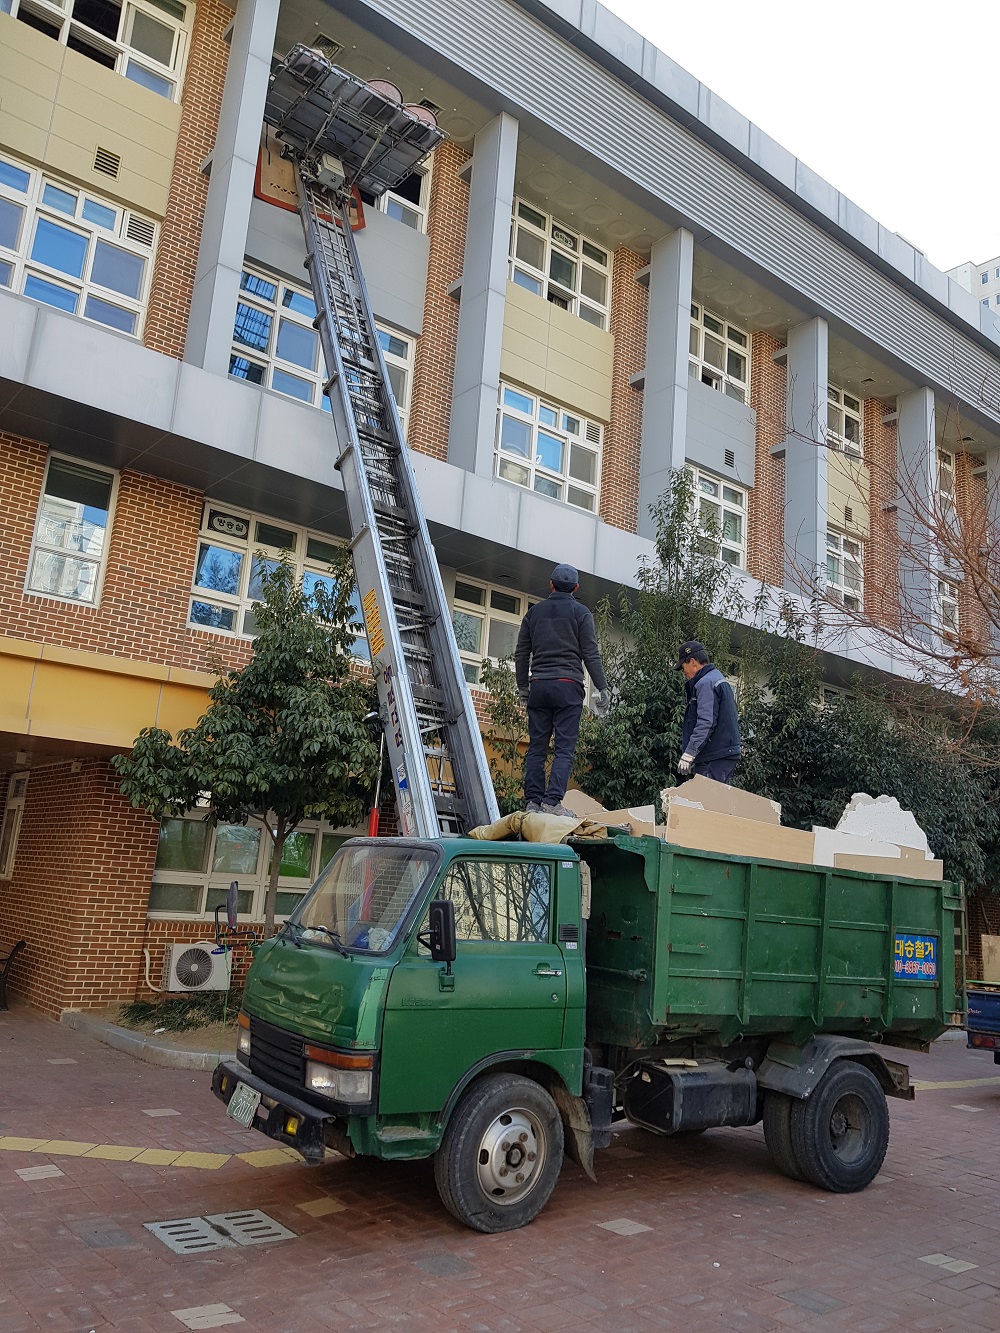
{"x": 73, "y": 703}
{"x": 180, "y": 706}
{"x": 849, "y": 488}
{"x": 556, "y": 354}
{"x": 15, "y": 692}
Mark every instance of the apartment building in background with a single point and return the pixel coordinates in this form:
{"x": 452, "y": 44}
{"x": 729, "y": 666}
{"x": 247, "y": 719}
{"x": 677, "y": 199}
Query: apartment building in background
{"x": 605, "y": 273}
{"x": 981, "y": 280}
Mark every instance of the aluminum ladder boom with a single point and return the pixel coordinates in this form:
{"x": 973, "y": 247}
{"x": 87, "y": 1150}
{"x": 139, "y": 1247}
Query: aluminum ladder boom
{"x": 341, "y": 134}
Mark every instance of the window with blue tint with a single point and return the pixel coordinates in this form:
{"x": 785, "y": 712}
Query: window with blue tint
{"x": 62, "y": 200}
{"x": 218, "y": 569}
{"x": 60, "y": 248}
{"x": 302, "y": 305}
{"x": 103, "y": 312}
{"x": 548, "y": 416}
{"x": 519, "y": 401}
{"x": 212, "y": 617}
{"x": 258, "y": 568}
{"x": 549, "y": 451}
{"x": 391, "y": 344}
{"x": 14, "y": 177}
{"x": 253, "y": 327}
{"x": 6, "y": 273}
{"x": 11, "y": 215}
{"x": 515, "y": 436}
{"x": 254, "y": 285}
{"x": 242, "y": 369}
{"x": 117, "y": 269}
{"x": 99, "y": 214}
{"x": 297, "y": 344}
{"x": 546, "y": 487}
{"x": 292, "y": 385}
{"x": 147, "y": 79}
{"x": 521, "y": 279}
{"x": 311, "y": 581}
{"x": 40, "y": 290}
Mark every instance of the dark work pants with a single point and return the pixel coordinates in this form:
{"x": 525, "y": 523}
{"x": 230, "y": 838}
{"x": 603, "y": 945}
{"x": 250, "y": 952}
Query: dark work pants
{"x": 553, "y": 705}
{"x": 719, "y": 770}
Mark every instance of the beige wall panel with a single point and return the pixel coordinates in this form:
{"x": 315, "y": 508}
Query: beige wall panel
{"x": 135, "y": 114}
{"x": 556, "y": 354}
{"x": 23, "y": 138}
{"x": 574, "y": 394}
{"x": 20, "y": 44}
{"x": 849, "y": 485}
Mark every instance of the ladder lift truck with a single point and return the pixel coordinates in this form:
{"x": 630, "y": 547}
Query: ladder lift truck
{"x": 495, "y": 1005}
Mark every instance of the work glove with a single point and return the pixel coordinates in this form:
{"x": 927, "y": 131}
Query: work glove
{"x": 522, "y": 694}
{"x": 685, "y": 765}
{"x": 601, "y": 704}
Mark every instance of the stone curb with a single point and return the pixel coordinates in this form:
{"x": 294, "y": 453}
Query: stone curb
{"x": 148, "y": 1048}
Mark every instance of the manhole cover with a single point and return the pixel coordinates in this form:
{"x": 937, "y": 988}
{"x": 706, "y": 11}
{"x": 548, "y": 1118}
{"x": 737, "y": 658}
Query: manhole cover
{"x": 221, "y": 1231}
{"x": 250, "y": 1227}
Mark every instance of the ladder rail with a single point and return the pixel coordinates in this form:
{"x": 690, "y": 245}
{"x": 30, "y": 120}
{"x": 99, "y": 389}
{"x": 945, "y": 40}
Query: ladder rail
{"x": 435, "y": 748}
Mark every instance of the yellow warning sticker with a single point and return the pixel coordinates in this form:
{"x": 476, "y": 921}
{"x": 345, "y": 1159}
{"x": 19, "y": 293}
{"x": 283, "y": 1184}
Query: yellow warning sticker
{"x": 373, "y": 623}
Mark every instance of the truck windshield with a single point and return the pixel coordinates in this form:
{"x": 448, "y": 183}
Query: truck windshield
{"x": 363, "y": 896}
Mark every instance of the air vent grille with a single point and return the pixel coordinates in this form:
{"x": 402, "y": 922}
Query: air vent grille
{"x": 107, "y": 162}
{"x": 431, "y": 106}
{"x": 593, "y": 433}
{"x": 730, "y": 458}
{"x": 327, "y": 46}
{"x": 140, "y": 230}
{"x": 848, "y": 514}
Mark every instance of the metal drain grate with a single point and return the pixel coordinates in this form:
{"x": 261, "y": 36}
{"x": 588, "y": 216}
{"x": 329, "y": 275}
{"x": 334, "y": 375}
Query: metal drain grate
{"x": 250, "y": 1227}
{"x": 221, "y": 1231}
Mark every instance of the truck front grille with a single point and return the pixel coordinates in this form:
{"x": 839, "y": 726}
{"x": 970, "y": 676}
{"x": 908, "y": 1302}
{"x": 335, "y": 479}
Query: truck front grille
{"x": 276, "y": 1055}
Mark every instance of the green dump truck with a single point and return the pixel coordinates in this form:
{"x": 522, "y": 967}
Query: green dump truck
{"x": 496, "y": 1005}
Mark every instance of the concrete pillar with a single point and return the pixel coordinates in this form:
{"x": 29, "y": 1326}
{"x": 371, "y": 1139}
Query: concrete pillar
{"x": 230, "y": 189}
{"x": 916, "y": 462}
{"x": 484, "y": 295}
{"x": 806, "y": 495}
{"x": 665, "y": 394}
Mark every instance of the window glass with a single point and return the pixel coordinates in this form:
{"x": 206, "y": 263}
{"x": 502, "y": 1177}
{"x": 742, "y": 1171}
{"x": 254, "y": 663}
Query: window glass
{"x": 62, "y": 200}
{"x": 50, "y": 293}
{"x": 59, "y": 248}
{"x": 100, "y": 214}
{"x": 486, "y": 621}
{"x": 15, "y": 177}
{"x": 152, "y": 38}
{"x": 10, "y": 223}
{"x": 292, "y": 385}
{"x": 182, "y": 844}
{"x": 554, "y": 262}
{"x": 468, "y": 632}
{"x": 236, "y": 849}
{"x": 218, "y": 568}
{"x": 297, "y": 344}
{"x": 103, "y": 312}
{"x": 169, "y": 897}
{"x": 253, "y": 327}
{"x": 209, "y": 616}
{"x": 269, "y": 534}
{"x": 118, "y": 269}
{"x": 552, "y": 457}
{"x": 714, "y": 358}
{"x": 503, "y": 900}
{"x": 721, "y": 508}
{"x": 296, "y": 855}
{"x": 6, "y": 273}
{"x": 515, "y": 436}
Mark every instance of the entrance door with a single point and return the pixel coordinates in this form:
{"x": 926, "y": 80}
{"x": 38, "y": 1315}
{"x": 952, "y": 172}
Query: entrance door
{"x": 507, "y": 990}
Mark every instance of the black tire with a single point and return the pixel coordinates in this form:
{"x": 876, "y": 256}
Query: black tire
{"x": 778, "y": 1134}
{"x": 841, "y": 1133}
{"x": 502, "y": 1122}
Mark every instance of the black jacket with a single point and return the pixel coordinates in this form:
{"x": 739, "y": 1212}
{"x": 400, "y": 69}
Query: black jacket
{"x": 556, "y": 641}
{"x": 711, "y": 727}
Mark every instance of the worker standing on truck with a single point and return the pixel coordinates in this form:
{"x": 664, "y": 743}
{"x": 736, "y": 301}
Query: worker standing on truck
{"x": 555, "y": 642}
{"x": 710, "y": 734}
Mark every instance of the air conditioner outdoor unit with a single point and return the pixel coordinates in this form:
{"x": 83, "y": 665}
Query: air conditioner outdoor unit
{"x": 195, "y": 967}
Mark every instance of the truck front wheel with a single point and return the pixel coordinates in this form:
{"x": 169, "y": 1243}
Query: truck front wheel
{"x": 841, "y": 1132}
{"x": 501, "y": 1154}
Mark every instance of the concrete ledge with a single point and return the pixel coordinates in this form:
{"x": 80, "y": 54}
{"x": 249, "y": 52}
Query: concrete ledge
{"x": 151, "y": 1049}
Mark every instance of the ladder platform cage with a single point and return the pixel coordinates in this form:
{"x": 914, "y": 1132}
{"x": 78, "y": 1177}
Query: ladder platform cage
{"x": 317, "y": 108}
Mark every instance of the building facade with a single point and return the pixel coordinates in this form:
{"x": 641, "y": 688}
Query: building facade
{"x": 604, "y": 274}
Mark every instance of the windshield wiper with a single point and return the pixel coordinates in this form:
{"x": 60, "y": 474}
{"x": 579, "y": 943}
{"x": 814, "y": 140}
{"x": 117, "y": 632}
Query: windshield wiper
{"x": 331, "y": 935}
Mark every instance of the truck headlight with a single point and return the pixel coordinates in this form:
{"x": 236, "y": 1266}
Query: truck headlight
{"x": 340, "y": 1085}
{"x": 243, "y": 1039}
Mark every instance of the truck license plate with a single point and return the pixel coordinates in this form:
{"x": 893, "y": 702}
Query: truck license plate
{"x": 243, "y": 1105}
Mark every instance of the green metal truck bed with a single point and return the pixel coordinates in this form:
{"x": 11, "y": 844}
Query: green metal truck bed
{"x": 692, "y": 944}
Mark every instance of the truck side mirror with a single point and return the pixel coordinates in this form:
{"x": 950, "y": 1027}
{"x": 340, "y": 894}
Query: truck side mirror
{"x": 441, "y": 931}
{"x": 231, "y": 901}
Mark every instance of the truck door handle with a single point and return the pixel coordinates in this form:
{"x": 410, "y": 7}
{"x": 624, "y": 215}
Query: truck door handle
{"x": 543, "y": 971}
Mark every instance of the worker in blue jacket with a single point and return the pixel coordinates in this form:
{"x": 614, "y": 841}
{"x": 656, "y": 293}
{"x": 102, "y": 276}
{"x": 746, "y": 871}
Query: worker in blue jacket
{"x": 710, "y": 735}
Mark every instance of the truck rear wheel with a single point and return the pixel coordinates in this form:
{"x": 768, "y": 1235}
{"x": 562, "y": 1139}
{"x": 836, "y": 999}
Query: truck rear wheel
{"x": 778, "y": 1133}
{"x": 501, "y": 1154}
{"x": 840, "y": 1133}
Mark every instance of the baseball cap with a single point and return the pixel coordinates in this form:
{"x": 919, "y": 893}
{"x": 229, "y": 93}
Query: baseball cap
{"x": 565, "y": 577}
{"x": 689, "y": 648}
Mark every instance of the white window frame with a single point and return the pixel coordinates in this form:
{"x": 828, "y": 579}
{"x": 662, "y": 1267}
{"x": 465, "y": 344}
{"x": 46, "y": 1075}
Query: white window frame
{"x": 39, "y": 545}
{"x": 217, "y": 881}
{"x": 405, "y": 211}
{"x": 946, "y": 476}
{"x": 844, "y": 550}
{"x": 119, "y": 49}
{"x": 18, "y": 269}
{"x": 570, "y": 427}
{"x": 716, "y": 347}
{"x": 560, "y": 243}
{"x": 985, "y": 277}
{"x": 489, "y": 611}
{"x": 844, "y": 420}
{"x": 10, "y": 825}
{"x": 236, "y": 531}
{"x": 728, "y": 498}
{"x": 947, "y": 606}
{"x": 270, "y": 366}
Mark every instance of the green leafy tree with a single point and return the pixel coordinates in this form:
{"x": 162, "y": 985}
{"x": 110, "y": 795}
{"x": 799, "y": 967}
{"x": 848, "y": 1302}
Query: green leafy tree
{"x": 283, "y": 738}
{"x": 507, "y": 732}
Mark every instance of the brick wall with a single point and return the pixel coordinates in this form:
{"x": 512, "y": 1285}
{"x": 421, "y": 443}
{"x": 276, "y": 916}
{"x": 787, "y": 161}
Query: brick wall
{"x": 970, "y": 499}
{"x": 766, "y": 517}
{"x": 180, "y": 231}
{"x": 982, "y": 917}
{"x": 881, "y": 569}
{"x": 434, "y": 363}
{"x": 622, "y": 435}
{"x": 143, "y": 608}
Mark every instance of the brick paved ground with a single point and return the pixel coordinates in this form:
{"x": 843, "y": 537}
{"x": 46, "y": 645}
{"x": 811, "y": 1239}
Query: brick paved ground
{"x": 727, "y": 1243}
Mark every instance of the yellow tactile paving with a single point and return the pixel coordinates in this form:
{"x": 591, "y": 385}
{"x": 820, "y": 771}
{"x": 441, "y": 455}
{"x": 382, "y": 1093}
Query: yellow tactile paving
{"x": 206, "y": 1161}
{"x": 113, "y": 1152}
{"x": 12, "y": 1144}
{"x": 64, "y": 1148}
{"x": 269, "y": 1157}
{"x": 926, "y": 1085}
{"x": 157, "y": 1157}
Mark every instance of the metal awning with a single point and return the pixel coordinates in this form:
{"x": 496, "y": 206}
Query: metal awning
{"x": 317, "y": 108}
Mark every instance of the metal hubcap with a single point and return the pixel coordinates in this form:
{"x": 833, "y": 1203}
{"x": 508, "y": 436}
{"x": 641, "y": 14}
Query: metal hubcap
{"x": 849, "y": 1123}
{"x": 511, "y": 1156}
